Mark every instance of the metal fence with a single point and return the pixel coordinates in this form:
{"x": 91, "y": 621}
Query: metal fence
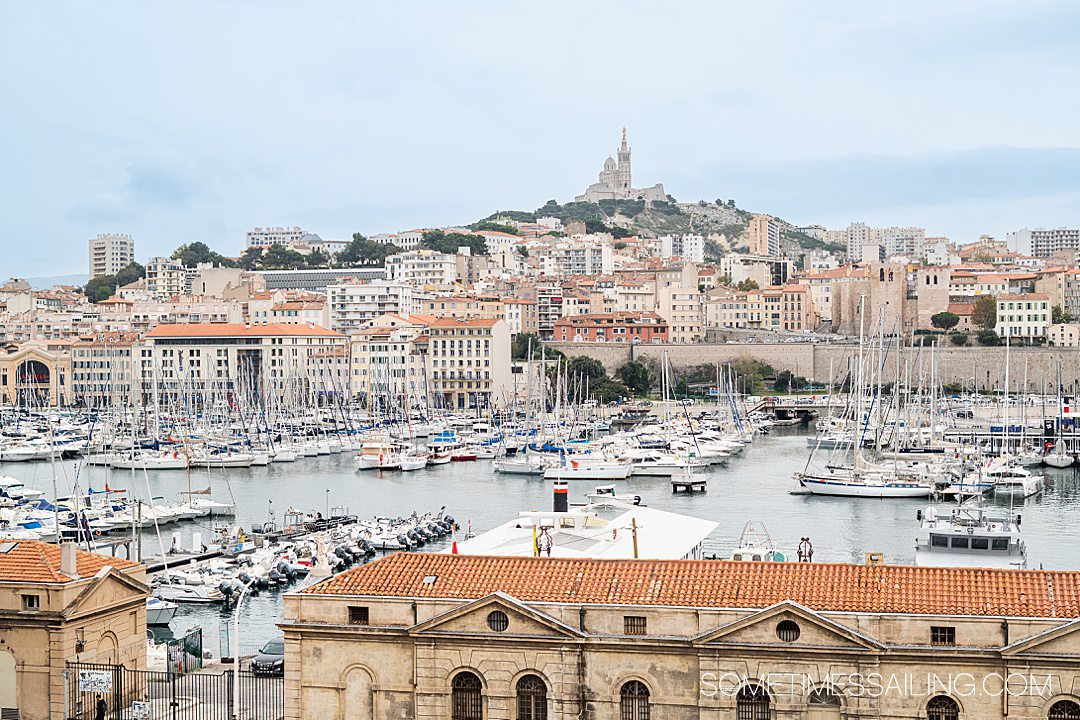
{"x": 152, "y": 695}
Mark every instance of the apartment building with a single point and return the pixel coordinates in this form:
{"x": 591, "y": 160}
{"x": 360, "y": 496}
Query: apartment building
{"x": 681, "y": 308}
{"x": 689, "y": 247}
{"x": 352, "y": 305}
{"x": 625, "y": 327}
{"x": 789, "y": 308}
{"x": 520, "y": 314}
{"x": 110, "y": 253}
{"x": 468, "y": 362}
{"x": 103, "y": 370}
{"x": 730, "y": 309}
{"x": 1062, "y": 285}
{"x": 422, "y": 268}
{"x": 407, "y": 240}
{"x": 1043, "y": 242}
{"x": 167, "y": 278}
{"x": 386, "y": 362}
{"x": 578, "y": 257}
{"x": 206, "y": 358}
{"x": 1025, "y": 315}
{"x": 185, "y": 309}
{"x": 267, "y": 236}
{"x": 1064, "y": 335}
{"x": 763, "y": 233}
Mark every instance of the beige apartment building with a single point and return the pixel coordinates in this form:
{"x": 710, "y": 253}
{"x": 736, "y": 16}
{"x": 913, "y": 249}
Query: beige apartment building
{"x": 433, "y": 360}
{"x": 763, "y": 233}
{"x": 61, "y": 604}
{"x": 109, "y": 254}
{"x": 275, "y": 358}
{"x": 458, "y": 637}
{"x": 102, "y": 370}
{"x": 1023, "y": 316}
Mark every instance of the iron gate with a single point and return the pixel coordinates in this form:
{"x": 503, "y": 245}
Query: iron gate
{"x": 155, "y": 695}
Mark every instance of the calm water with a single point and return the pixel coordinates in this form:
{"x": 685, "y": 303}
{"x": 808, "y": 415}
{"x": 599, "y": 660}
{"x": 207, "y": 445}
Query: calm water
{"x": 753, "y": 486}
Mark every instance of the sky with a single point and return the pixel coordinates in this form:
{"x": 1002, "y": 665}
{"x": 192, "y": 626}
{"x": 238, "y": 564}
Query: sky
{"x": 196, "y": 121}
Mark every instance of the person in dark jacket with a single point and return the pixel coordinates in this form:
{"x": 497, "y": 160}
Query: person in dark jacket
{"x": 101, "y": 708}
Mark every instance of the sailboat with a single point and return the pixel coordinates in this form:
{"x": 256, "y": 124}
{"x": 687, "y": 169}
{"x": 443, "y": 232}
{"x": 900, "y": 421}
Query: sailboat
{"x": 1057, "y": 457}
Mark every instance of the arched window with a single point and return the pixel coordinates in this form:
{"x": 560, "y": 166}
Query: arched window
{"x": 881, "y": 274}
{"x": 634, "y": 701}
{"x": 1064, "y": 710}
{"x": 531, "y": 698}
{"x": 823, "y": 705}
{"x": 753, "y": 703}
{"x": 466, "y": 700}
{"x": 942, "y": 708}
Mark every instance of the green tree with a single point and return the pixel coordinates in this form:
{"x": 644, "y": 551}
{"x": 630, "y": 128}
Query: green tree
{"x": 362, "y": 251}
{"x": 988, "y": 337}
{"x": 958, "y": 338}
{"x": 279, "y": 257}
{"x": 1059, "y": 316}
{"x": 524, "y": 343}
{"x": 251, "y": 259}
{"x": 984, "y": 314}
{"x": 104, "y": 287}
{"x": 194, "y": 253}
{"x": 587, "y": 366}
{"x": 318, "y": 259}
{"x": 444, "y": 242}
{"x": 786, "y": 381}
{"x": 944, "y": 320}
{"x": 747, "y": 285}
{"x": 100, "y": 288}
{"x": 493, "y": 227}
{"x": 637, "y": 377}
{"x": 523, "y": 251}
{"x": 134, "y": 271}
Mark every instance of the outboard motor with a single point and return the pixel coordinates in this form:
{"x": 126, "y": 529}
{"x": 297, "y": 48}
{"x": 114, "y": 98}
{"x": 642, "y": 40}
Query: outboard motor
{"x": 415, "y": 537}
{"x": 449, "y": 520}
{"x": 243, "y": 577}
{"x": 263, "y": 582}
{"x": 404, "y": 541}
{"x": 225, "y": 587}
{"x": 275, "y": 577}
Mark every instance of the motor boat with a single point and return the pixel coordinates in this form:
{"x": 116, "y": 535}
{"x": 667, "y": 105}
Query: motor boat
{"x": 755, "y": 545}
{"x": 969, "y": 535}
{"x": 159, "y": 612}
{"x": 606, "y": 494}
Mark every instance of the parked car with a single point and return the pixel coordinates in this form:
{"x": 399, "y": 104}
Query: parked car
{"x": 271, "y": 658}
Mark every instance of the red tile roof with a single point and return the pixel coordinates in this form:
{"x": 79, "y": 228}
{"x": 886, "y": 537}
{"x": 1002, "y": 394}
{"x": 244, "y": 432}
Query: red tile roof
{"x": 34, "y": 561}
{"x": 197, "y": 330}
{"x": 717, "y": 584}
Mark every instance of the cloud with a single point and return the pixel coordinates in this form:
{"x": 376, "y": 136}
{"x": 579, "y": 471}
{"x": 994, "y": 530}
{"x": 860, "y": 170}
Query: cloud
{"x": 856, "y": 183}
{"x": 141, "y": 186}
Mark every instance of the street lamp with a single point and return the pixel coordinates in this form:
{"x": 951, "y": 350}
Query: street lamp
{"x": 236, "y": 649}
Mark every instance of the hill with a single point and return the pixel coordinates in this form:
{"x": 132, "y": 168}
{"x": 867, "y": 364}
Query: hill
{"x": 722, "y": 222}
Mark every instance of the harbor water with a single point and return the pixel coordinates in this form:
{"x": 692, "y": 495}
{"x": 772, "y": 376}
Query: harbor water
{"x": 751, "y": 486}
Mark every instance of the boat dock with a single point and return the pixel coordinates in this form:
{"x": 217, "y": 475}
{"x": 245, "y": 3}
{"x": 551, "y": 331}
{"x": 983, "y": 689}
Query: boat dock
{"x": 689, "y": 485}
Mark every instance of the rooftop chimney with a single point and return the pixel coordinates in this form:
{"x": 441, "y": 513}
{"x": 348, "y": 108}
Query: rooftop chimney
{"x": 559, "y": 500}
{"x": 69, "y": 560}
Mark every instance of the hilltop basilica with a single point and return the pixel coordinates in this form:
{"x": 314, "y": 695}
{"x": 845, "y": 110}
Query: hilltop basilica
{"x": 614, "y": 183}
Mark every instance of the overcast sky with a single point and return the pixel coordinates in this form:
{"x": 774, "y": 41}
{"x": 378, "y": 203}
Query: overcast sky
{"x": 186, "y": 121}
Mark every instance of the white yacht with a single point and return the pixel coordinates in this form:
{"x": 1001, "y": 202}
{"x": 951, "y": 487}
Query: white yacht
{"x": 969, "y": 535}
{"x": 1009, "y": 480}
{"x": 584, "y": 467}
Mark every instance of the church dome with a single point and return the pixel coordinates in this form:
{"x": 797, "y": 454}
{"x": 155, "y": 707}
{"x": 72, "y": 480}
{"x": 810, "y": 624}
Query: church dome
{"x": 609, "y": 164}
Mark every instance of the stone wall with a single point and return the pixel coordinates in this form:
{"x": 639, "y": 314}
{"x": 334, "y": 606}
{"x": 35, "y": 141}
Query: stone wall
{"x": 954, "y": 364}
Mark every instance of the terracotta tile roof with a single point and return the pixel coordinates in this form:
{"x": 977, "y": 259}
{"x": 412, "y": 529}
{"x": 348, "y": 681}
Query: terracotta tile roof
{"x": 1022, "y": 296}
{"x": 39, "y": 562}
{"x": 199, "y": 330}
{"x": 717, "y": 584}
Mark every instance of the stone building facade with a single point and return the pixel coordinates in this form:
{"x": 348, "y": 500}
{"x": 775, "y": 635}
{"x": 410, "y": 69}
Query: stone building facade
{"x": 460, "y": 637}
{"x": 60, "y": 604}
